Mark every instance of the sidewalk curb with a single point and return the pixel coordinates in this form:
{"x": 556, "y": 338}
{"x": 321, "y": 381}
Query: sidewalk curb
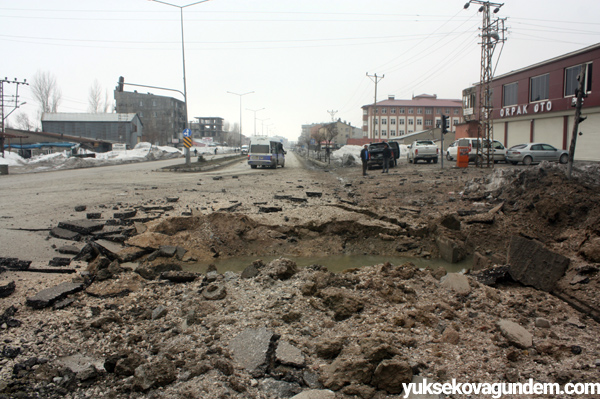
{"x": 195, "y": 168}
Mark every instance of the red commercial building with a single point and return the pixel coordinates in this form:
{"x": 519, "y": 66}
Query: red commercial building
{"x": 393, "y": 118}
{"x": 535, "y": 104}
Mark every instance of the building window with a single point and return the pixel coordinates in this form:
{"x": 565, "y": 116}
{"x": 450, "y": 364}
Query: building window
{"x": 571, "y": 82}
{"x": 376, "y": 121}
{"x": 438, "y": 111}
{"x": 509, "y": 94}
{"x": 456, "y": 111}
{"x": 376, "y": 110}
{"x": 540, "y": 88}
{"x": 428, "y": 111}
{"x": 447, "y": 111}
{"x": 401, "y": 132}
{"x": 428, "y": 122}
{"x": 392, "y": 121}
{"x": 401, "y": 110}
{"x": 393, "y": 110}
{"x": 411, "y": 111}
{"x": 419, "y": 121}
{"x": 401, "y": 121}
{"x": 419, "y": 111}
{"x": 455, "y": 122}
{"x": 410, "y": 131}
{"x": 392, "y": 132}
{"x": 384, "y": 121}
{"x": 411, "y": 122}
{"x": 141, "y": 103}
{"x": 383, "y": 132}
{"x": 384, "y": 110}
{"x": 365, "y": 111}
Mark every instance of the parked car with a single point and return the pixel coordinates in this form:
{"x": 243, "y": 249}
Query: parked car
{"x": 376, "y": 154}
{"x": 423, "y": 149}
{"x": 535, "y": 153}
{"x": 497, "y": 150}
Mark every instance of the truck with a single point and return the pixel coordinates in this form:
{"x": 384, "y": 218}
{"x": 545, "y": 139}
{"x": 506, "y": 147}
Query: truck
{"x": 376, "y": 154}
{"x": 423, "y": 149}
{"x": 266, "y": 152}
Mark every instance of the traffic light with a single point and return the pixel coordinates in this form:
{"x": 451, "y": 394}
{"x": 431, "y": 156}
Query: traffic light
{"x": 444, "y": 124}
{"x": 121, "y": 83}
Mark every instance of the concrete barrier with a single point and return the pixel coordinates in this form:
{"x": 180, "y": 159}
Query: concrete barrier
{"x": 3, "y": 169}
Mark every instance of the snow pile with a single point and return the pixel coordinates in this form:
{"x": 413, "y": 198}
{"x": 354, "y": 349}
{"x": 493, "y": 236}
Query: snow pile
{"x": 11, "y": 159}
{"x": 64, "y": 160}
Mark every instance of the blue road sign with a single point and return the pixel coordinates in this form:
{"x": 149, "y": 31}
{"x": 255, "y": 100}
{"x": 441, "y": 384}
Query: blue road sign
{"x": 187, "y": 133}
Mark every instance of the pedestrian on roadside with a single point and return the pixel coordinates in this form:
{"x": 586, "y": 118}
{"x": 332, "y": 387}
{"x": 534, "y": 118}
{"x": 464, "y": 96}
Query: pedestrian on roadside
{"x": 364, "y": 157}
{"x": 387, "y": 154}
{"x": 195, "y": 152}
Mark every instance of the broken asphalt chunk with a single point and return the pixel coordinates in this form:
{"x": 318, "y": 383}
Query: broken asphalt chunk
{"x": 269, "y": 209}
{"x": 48, "y": 296}
{"x": 126, "y": 214}
{"x": 531, "y": 263}
{"x": 15, "y": 264}
{"x": 57, "y": 261}
{"x": 8, "y": 289}
{"x": 313, "y": 194}
{"x": 82, "y": 226}
{"x": 65, "y": 234}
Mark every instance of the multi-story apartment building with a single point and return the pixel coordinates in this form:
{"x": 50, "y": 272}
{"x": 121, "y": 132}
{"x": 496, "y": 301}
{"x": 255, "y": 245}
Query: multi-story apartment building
{"x": 209, "y": 127}
{"x": 393, "y": 118}
{"x": 535, "y": 104}
{"x": 163, "y": 117}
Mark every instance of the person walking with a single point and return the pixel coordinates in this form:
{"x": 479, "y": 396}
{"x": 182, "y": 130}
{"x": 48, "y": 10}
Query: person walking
{"x": 387, "y": 154}
{"x": 364, "y": 157}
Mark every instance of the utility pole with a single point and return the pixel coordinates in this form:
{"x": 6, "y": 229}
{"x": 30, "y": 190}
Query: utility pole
{"x": 375, "y": 79}
{"x": 492, "y": 33}
{"x": 332, "y": 113}
{"x": 580, "y": 94}
{"x": 15, "y": 105}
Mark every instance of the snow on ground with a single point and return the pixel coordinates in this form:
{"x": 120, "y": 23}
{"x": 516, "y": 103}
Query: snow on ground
{"x": 63, "y": 160}
{"x": 11, "y": 159}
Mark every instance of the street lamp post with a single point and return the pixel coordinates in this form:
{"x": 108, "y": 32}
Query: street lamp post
{"x": 262, "y": 133}
{"x": 255, "y": 111}
{"x": 240, "y": 95}
{"x": 187, "y": 150}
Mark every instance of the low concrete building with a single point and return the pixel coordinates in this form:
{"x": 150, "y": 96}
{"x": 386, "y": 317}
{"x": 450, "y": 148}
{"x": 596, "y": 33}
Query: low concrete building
{"x": 114, "y": 128}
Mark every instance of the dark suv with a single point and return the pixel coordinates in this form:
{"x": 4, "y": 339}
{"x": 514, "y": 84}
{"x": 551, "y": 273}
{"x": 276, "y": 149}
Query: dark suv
{"x": 376, "y": 154}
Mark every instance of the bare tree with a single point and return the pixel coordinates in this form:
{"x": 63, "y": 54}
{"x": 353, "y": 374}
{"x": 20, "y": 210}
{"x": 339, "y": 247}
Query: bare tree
{"x": 45, "y": 91}
{"x": 23, "y": 122}
{"x": 96, "y": 103}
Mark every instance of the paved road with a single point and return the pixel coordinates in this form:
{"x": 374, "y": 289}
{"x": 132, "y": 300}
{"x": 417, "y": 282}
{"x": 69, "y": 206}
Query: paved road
{"x": 42, "y": 200}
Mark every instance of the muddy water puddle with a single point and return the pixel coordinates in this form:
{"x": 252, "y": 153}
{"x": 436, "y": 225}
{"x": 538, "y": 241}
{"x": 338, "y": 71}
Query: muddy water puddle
{"x": 335, "y": 263}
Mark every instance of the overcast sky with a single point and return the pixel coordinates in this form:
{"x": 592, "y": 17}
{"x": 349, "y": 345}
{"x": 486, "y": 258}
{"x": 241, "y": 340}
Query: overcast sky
{"x": 301, "y": 58}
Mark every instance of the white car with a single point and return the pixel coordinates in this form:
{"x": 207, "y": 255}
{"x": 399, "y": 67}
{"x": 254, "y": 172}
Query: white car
{"x": 498, "y": 151}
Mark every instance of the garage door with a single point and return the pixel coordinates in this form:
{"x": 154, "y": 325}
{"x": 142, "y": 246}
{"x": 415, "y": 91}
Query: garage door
{"x": 589, "y": 142}
{"x": 549, "y": 131}
{"x": 518, "y": 132}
